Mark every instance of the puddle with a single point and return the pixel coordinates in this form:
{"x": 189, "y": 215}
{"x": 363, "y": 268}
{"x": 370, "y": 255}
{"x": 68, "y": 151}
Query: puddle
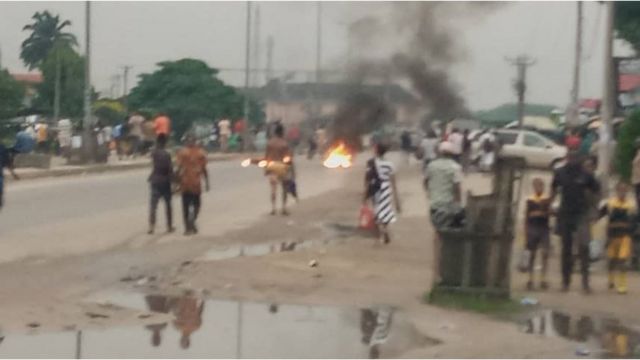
{"x": 600, "y": 336}
{"x": 228, "y": 329}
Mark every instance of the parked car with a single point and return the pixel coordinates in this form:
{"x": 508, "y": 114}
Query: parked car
{"x": 536, "y": 149}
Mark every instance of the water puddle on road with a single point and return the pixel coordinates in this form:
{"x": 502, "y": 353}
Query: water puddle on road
{"x": 230, "y": 329}
{"x": 338, "y": 234}
{"x": 599, "y": 336}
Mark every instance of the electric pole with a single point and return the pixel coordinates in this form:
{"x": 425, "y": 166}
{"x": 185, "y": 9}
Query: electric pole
{"x": 319, "y": 42}
{"x": 247, "y": 65}
{"x": 87, "y": 143}
{"x": 256, "y": 48}
{"x": 522, "y": 62}
{"x": 573, "y": 113}
{"x": 125, "y": 79}
{"x": 270, "y": 45}
{"x": 608, "y": 101}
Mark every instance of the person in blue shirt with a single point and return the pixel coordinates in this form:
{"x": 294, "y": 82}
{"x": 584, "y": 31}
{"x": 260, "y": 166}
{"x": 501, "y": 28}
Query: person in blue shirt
{"x": 6, "y": 161}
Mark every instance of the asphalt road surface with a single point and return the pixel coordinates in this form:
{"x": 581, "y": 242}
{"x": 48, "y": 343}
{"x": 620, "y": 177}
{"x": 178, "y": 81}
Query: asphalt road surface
{"x": 69, "y": 216}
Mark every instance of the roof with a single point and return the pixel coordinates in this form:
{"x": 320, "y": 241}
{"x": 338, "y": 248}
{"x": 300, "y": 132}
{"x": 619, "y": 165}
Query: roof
{"x": 278, "y": 91}
{"x": 590, "y": 103}
{"x": 29, "y": 78}
{"x": 628, "y": 82}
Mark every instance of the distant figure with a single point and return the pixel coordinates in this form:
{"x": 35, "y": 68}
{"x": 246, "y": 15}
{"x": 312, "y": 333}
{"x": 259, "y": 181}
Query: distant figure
{"x": 224, "y": 127}
{"x": 466, "y": 150}
{"x": 279, "y": 158}
{"x": 621, "y": 210}
{"x": 429, "y": 147}
{"x": 293, "y": 137}
{"x": 42, "y": 137}
{"x": 160, "y": 180}
{"x": 162, "y": 125}
{"x": 6, "y": 161}
{"x": 65, "y": 130}
{"x": 192, "y": 167}
{"x": 406, "y": 145}
{"x": 537, "y": 213}
{"x": 25, "y": 143}
{"x": 488, "y": 149}
{"x": 148, "y": 136}
{"x": 135, "y": 132}
{"x": 321, "y": 139}
{"x": 573, "y": 224}
{"x": 380, "y": 188}
{"x": 457, "y": 140}
{"x": 312, "y": 148}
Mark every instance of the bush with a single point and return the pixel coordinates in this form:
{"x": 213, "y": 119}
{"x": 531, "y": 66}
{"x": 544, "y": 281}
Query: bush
{"x": 625, "y": 151}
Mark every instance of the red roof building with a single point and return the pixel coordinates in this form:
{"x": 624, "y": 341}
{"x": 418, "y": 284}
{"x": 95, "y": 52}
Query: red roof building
{"x": 628, "y": 82}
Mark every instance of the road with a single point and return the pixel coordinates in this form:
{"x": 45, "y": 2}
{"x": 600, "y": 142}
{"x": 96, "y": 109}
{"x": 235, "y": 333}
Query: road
{"x": 70, "y": 216}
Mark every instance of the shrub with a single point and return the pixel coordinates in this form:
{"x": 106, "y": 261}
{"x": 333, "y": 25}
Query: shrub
{"x": 625, "y": 151}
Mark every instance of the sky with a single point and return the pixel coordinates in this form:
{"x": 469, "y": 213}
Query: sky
{"x": 140, "y": 34}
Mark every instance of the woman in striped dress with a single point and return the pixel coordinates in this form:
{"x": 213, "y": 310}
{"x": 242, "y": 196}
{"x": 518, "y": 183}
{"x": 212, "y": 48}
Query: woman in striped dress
{"x": 384, "y": 193}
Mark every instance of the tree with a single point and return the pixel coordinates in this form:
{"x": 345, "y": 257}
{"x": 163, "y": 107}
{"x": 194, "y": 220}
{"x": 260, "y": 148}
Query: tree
{"x": 188, "y": 90}
{"x": 11, "y": 95}
{"x": 627, "y": 22}
{"x": 109, "y": 111}
{"x": 507, "y": 113}
{"x": 625, "y": 150}
{"x": 46, "y": 32}
{"x": 71, "y": 66}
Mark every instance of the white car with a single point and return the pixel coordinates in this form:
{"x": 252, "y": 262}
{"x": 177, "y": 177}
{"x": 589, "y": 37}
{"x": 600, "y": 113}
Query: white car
{"x": 535, "y": 149}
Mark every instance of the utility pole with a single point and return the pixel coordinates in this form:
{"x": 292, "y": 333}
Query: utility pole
{"x": 125, "y": 79}
{"x": 57, "y": 86}
{"x": 608, "y": 101}
{"x": 573, "y": 113}
{"x": 256, "y": 48}
{"x": 88, "y": 141}
{"x": 319, "y": 42}
{"x": 270, "y": 45}
{"x": 247, "y": 69}
{"x": 522, "y": 62}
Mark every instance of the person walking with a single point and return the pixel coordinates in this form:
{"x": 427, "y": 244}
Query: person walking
{"x": 160, "y": 180}
{"x": 406, "y": 145}
{"x": 429, "y": 146}
{"x": 192, "y": 167}
{"x": 443, "y": 180}
{"x": 380, "y": 188}
{"x": 135, "y": 132}
{"x": 6, "y": 161}
{"x": 162, "y": 125}
{"x": 279, "y": 158}
{"x": 573, "y": 219}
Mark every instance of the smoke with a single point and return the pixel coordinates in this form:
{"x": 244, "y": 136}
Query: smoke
{"x": 359, "y": 113}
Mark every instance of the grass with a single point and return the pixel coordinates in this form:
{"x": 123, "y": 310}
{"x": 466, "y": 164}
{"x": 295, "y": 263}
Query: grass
{"x": 479, "y": 303}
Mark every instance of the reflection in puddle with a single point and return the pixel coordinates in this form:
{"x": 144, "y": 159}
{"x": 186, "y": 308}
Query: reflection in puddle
{"x": 227, "y": 329}
{"x": 604, "y": 336}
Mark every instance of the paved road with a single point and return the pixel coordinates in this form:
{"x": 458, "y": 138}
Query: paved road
{"x": 67, "y": 216}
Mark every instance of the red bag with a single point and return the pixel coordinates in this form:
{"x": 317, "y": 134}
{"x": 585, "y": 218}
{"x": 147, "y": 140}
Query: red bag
{"x": 367, "y": 221}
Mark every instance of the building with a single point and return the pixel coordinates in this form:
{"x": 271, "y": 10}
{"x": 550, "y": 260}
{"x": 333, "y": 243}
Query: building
{"x": 30, "y": 82}
{"x": 296, "y": 103}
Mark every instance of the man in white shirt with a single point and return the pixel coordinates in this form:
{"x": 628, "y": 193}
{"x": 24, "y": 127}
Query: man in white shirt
{"x": 457, "y": 140}
{"x": 224, "y": 127}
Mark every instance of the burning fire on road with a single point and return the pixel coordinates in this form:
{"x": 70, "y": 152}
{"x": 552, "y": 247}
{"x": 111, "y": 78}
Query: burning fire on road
{"x": 339, "y": 157}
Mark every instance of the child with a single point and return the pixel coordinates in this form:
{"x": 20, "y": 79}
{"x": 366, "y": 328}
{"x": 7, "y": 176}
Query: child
{"x": 537, "y": 230}
{"x": 621, "y": 211}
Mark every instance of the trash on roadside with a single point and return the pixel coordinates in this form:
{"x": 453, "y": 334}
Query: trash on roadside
{"x": 529, "y": 301}
{"x": 313, "y": 263}
{"x": 33, "y": 325}
{"x": 96, "y": 315}
{"x": 582, "y": 351}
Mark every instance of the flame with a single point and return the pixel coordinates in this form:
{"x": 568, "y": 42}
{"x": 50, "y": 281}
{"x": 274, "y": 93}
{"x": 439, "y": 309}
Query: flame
{"x": 286, "y": 159}
{"x": 262, "y": 163}
{"x": 339, "y": 157}
{"x": 246, "y": 162}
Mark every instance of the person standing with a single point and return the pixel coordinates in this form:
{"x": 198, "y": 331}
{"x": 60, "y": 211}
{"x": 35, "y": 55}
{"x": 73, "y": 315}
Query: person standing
{"x": 537, "y": 214}
{"x": 380, "y": 188}
{"x": 162, "y": 125}
{"x": 406, "y": 145}
{"x": 224, "y": 128}
{"x": 135, "y": 132}
{"x": 443, "y": 180}
{"x": 160, "y": 180}
{"x": 192, "y": 167}
{"x": 429, "y": 147}
{"x": 573, "y": 219}
{"x": 457, "y": 140}
{"x": 279, "y": 158}
{"x": 6, "y": 161}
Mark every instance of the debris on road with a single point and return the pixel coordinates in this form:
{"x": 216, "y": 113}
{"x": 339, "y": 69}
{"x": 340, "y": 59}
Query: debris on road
{"x": 529, "y": 301}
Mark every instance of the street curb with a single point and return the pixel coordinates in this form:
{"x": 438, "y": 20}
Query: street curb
{"x": 104, "y": 168}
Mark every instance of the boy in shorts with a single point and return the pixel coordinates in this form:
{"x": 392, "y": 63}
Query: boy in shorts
{"x": 537, "y": 231}
{"x": 620, "y": 210}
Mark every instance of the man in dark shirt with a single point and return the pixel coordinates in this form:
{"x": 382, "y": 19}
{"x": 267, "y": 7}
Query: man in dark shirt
{"x": 6, "y": 161}
{"x": 577, "y": 186}
{"x": 160, "y": 180}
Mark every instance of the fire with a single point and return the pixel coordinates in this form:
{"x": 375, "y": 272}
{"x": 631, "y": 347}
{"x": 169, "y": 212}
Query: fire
{"x": 263, "y": 163}
{"x": 246, "y": 162}
{"x": 339, "y": 157}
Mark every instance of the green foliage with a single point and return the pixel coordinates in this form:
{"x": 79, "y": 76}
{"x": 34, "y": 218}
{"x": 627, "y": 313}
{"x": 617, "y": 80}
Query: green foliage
{"x": 71, "y": 82}
{"x": 507, "y": 113}
{"x": 627, "y": 22}
{"x": 46, "y": 32}
{"x": 188, "y": 90}
{"x": 11, "y": 95}
{"x": 625, "y": 151}
{"x": 109, "y": 111}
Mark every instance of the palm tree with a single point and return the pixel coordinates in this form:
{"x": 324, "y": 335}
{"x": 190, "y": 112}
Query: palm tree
{"x": 46, "y": 32}
{"x": 46, "y": 36}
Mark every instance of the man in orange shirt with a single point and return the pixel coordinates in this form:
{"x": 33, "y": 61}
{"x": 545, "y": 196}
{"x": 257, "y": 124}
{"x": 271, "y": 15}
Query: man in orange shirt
{"x": 162, "y": 124}
{"x": 192, "y": 166}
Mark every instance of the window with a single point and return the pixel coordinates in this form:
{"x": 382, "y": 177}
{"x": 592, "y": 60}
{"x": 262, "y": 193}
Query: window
{"x": 507, "y": 138}
{"x": 534, "y": 141}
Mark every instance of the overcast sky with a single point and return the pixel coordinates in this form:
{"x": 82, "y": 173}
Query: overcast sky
{"x": 142, "y": 33}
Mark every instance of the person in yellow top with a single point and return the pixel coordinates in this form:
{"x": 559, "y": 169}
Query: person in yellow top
{"x": 621, "y": 211}
{"x": 537, "y": 212}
